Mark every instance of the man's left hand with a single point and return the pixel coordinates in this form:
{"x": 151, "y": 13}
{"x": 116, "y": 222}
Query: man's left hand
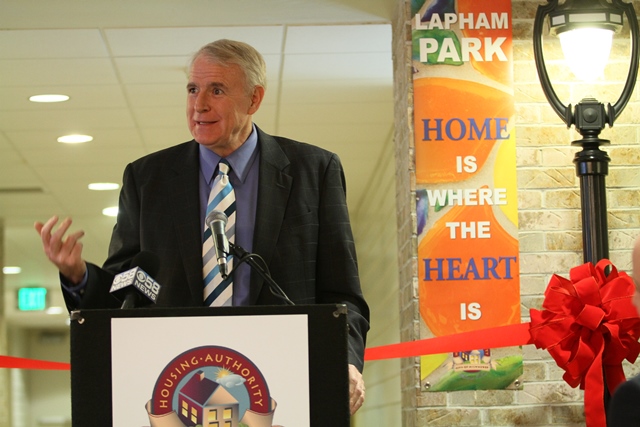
{"x": 356, "y": 389}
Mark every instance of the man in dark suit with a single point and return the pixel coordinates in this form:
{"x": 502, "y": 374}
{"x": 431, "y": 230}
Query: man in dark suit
{"x": 291, "y": 209}
{"x": 624, "y": 410}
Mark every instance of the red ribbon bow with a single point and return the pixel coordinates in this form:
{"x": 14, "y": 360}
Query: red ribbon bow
{"x": 589, "y": 326}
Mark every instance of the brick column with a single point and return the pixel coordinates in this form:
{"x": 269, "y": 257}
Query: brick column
{"x": 406, "y": 214}
{"x": 549, "y": 223}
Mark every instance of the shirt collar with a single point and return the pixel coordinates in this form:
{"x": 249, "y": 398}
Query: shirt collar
{"x": 239, "y": 160}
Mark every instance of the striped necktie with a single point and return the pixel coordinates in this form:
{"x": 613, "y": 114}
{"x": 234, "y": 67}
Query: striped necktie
{"x": 218, "y": 291}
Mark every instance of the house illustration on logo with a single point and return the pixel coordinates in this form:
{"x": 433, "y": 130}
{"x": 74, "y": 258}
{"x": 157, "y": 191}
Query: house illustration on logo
{"x": 207, "y": 403}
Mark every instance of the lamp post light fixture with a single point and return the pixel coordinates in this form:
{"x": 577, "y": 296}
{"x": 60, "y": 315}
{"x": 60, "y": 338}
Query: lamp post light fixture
{"x": 591, "y": 23}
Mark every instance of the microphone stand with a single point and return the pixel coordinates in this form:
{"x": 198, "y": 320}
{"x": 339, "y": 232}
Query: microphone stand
{"x": 263, "y": 270}
{"x": 129, "y": 301}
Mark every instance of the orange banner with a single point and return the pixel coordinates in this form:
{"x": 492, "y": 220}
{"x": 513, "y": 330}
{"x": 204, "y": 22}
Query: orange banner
{"x": 466, "y": 195}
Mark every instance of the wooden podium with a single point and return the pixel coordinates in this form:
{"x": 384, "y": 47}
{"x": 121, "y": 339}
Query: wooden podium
{"x": 161, "y": 362}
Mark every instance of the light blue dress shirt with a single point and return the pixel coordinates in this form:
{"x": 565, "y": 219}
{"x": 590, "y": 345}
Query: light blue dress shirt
{"x": 244, "y": 164}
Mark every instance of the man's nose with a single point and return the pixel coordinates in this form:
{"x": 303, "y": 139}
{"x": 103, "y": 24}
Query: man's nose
{"x": 202, "y": 104}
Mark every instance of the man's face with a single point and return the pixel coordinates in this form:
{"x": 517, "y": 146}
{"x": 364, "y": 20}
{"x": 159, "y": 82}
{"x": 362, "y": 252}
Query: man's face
{"x": 219, "y": 109}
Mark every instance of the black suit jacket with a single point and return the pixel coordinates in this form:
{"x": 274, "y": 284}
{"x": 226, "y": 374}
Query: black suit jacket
{"x": 624, "y": 408}
{"x": 302, "y": 231}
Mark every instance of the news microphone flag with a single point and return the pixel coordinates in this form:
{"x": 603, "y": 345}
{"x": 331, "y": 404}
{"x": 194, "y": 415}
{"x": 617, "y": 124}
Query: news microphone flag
{"x": 135, "y": 279}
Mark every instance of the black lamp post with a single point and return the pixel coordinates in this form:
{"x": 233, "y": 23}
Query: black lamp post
{"x": 589, "y": 116}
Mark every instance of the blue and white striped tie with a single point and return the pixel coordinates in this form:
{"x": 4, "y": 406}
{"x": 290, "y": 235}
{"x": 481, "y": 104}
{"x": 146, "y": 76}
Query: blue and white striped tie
{"x": 218, "y": 291}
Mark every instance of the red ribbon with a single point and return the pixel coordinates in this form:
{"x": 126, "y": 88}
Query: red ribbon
{"x": 500, "y": 336}
{"x": 20, "y": 363}
{"x": 589, "y": 326}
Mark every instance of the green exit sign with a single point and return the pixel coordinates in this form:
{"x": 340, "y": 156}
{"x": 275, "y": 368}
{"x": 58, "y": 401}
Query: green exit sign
{"x": 32, "y": 299}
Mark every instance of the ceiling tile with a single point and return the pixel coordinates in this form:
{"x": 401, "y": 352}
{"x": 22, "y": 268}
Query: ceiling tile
{"x": 143, "y": 42}
{"x": 27, "y": 205}
{"x": 156, "y": 95}
{"x": 340, "y": 134}
{"x": 338, "y": 66}
{"x": 30, "y": 140}
{"x": 79, "y": 71}
{"x": 357, "y": 113}
{"x": 160, "y": 117}
{"x": 86, "y": 202}
{"x": 67, "y": 121}
{"x": 171, "y": 69}
{"x": 149, "y": 70}
{"x": 69, "y": 157}
{"x": 156, "y": 138}
{"x": 337, "y": 91}
{"x": 338, "y": 39}
{"x": 63, "y": 43}
{"x": 18, "y": 175}
{"x": 80, "y": 96}
{"x": 8, "y": 156}
{"x": 195, "y": 13}
{"x": 76, "y": 179}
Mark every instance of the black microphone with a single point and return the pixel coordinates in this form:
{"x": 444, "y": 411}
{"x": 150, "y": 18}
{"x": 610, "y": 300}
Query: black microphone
{"x": 217, "y": 222}
{"x": 136, "y": 287}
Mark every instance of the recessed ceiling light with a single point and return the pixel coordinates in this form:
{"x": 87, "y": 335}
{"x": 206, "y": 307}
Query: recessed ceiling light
{"x": 48, "y": 98}
{"x": 112, "y": 211}
{"x": 75, "y": 139}
{"x": 103, "y": 186}
{"x": 11, "y": 270}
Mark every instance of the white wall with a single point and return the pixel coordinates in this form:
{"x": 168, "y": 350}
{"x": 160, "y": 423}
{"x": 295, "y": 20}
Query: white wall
{"x": 374, "y": 226}
{"x": 41, "y": 397}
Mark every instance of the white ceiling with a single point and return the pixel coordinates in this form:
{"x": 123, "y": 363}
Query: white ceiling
{"x": 123, "y": 64}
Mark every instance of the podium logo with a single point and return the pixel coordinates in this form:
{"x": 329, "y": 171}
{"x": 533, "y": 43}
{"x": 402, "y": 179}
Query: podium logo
{"x": 211, "y": 386}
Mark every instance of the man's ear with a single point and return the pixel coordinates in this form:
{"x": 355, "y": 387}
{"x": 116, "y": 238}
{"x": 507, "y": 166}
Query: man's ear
{"x": 256, "y": 99}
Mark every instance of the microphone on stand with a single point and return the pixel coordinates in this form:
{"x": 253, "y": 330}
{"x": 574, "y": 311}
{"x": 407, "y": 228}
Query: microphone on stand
{"x": 136, "y": 286}
{"x": 217, "y": 222}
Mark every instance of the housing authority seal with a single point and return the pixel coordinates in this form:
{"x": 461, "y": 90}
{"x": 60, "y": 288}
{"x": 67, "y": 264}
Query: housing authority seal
{"x": 211, "y": 386}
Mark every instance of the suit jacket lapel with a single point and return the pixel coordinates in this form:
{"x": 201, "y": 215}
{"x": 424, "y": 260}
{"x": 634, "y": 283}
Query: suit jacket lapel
{"x": 185, "y": 207}
{"x": 274, "y": 186}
